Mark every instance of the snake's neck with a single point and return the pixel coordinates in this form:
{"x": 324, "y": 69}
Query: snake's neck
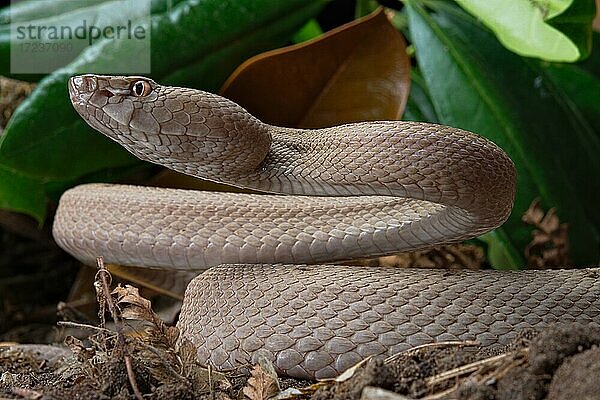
{"x": 223, "y": 143}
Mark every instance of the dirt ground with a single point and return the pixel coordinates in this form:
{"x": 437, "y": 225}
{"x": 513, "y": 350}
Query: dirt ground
{"x": 563, "y": 362}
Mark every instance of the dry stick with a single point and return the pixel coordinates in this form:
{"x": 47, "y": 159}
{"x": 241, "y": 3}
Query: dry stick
{"x": 457, "y": 372}
{"x": 473, "y": 367}
{"x": 519, "y": 358}
{"x": 465, "y": 369}
{"x": 210, "y": 389}
{"x": 78, "y": 325}
{"x": 103, "y": 274}
{"x": 434, "y": 345}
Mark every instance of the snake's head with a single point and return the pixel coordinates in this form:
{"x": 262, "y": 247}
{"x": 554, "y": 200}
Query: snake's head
{"x": 110, "y": 105}
{"x": 191, "y": 131}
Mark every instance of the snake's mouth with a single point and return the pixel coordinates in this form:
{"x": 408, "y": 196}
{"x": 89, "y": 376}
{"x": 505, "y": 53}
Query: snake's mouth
{"x": 81, "y": 87}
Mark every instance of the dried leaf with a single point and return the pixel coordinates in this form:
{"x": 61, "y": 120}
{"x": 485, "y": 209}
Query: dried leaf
{"x": 357, "y": 72}
{"x": 261, "y": 385}
{"x": 133, "y": 306}
{"x": 77, "y": 347}
{"x": 549, "y": 246}
{"x": 453, "y": 256}
{"x": 12, "y": 93}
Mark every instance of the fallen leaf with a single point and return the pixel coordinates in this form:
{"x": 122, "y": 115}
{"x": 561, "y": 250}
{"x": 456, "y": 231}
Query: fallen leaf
{"x": 452, "y": 256}
{"x": 12, "y": 93}
{"x": 262, "y": 384}
{"x": 133, "y": 306}
{"x": 549, "y": 246}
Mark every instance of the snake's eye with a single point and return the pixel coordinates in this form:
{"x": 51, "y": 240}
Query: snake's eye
{"x": 141, "y": 88}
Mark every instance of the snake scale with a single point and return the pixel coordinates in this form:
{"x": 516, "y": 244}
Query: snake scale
{"x": 356, "y": 190}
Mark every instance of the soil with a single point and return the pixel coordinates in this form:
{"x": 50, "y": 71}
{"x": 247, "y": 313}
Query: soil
{"x": 563, "y": 362}
{"x": 560, "y": 363}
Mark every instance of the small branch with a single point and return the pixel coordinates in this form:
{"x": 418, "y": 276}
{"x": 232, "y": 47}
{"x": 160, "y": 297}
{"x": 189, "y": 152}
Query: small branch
{"x": 77, "y": 325}
{"x": 434, "y": 345}
{"x": 105, "y": 276}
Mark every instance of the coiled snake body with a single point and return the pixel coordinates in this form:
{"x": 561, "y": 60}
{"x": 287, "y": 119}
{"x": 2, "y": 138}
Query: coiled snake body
{"x": 357, "y": 190}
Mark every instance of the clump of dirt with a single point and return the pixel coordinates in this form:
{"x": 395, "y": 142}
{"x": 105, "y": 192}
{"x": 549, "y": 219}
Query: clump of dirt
{"x": 547, "y": 352}
{"x": 523, "y": 370}
{"x": 578, "y": 377}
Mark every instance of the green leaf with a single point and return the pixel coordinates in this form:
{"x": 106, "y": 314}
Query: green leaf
{"x": 21, "y": 194}
{"x": 111, "y": 13}
{"x": 556, "y": 30}
{"x": 592, "y": 63}
{"x": 46, "y": 140}
{"x": 476, "y": 84}
{"x": 419, "y": 106}
{"x": 311, "y": 30}
{"x": 30, "y": 10}
{"x": 576, "y": 24}
{"x": 581, "y": 91}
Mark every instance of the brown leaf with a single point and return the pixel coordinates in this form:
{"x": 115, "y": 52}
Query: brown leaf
{"x": 452, "y": 256}
{"x": 357, "y": 72}
{"x": 12, "y": 93}
{"x": 549, "y": 246}
{"x": 77, "y": 347}
{"x": 596, "y": 23}
{"x": 134, "y": 306}
{"x": 261, "y": 385}
{"x": 534, "y": 213}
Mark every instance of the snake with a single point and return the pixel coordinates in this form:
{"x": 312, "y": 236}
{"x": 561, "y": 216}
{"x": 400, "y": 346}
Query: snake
{"x": 269, "y": 285}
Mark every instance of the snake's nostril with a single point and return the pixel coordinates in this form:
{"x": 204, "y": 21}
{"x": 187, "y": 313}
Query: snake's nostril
{"x": 88, "y": 84}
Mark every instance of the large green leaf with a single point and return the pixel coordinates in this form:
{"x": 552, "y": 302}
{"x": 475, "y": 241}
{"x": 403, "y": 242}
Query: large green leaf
{"x": 32, "y": 10}
{"x": 66, "y": 14}
{"x": 592, "y": 63}
{"x": 108, "y": 13}
{"x": 556, "y": 30}
{"x": 476, "y": 84}
{"x": 419, "y": 106}
{"x": 581, "y": 92}
{"x": 21, "y": 194}
{"x": 46, "y": 140}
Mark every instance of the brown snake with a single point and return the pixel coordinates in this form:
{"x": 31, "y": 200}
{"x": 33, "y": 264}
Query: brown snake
{"x": 357, "y": 190}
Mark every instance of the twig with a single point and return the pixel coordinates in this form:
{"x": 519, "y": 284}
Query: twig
{"x": 465, "y": 369}
{"x": 449, "y": 343}
{"x": 499, "y": 373}
{"x": 210, "y": 382}
{"x": 495, "y": 361}
{"x": 78, "y": 325}
{"x": 104, "y": 276}
{"x": 442, "y": 394}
